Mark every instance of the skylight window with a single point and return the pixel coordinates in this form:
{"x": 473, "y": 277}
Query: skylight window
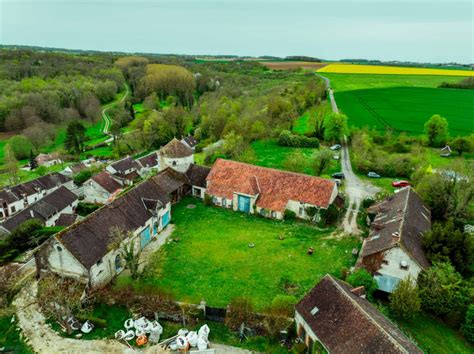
{"x": 314, "y": 311}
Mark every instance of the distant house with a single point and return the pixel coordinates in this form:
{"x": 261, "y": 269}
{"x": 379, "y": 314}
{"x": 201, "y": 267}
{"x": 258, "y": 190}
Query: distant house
{"x": 102, "y": 188}
{"x": 149, "y": 163}
{"x": 48, "y": 160}
{"x": 176, "y": 155}
{"x": 47, "y": 210}
{"x": 266, "y": 191}
{"x": 126, "y": 168}
{"x": 74, "y": 169}
{"x": 190, "y": 141}
{"x": 394, "y": 248}
{"x": 340, "y": 319}
{"x": 16, "y": 198}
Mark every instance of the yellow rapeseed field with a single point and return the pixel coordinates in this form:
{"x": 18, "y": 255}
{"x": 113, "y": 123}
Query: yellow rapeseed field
{"x": 395, "y": 70}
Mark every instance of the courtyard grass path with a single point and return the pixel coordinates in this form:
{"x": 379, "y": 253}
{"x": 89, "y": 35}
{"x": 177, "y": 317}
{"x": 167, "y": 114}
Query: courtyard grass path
{"x": 212, "y": 259}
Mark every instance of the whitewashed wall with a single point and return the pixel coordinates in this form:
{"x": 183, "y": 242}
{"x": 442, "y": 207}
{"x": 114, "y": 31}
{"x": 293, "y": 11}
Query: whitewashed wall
{"x": 394, "y": 257}
{"x": 178, "y": 164}
{"x": 94, "y": 193}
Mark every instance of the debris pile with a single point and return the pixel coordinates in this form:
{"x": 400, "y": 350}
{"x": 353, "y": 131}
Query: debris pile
{"x": 142, "y": 329}
{"x": 185, "y": 339}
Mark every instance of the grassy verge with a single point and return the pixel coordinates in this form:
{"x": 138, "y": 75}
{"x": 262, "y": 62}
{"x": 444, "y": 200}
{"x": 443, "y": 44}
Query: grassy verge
{"x": 433, "y": 336}
{"x": 10, "y": 340}
{"x": 213, "y": 260}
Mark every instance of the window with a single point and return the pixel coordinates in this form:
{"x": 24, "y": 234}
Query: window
{"x": 214, "y": 200}
{"x": 13, "y": 209}
{"x": 301, "y": 211}
{"x": 223, "y": 202}
{"x": 174, "y": 163}
{"x": 99, "y": 262}
{"x": 263, "y": 212}
{"x": 404, "y": 265}
{"x": 314, "y": 311}
{"x": 59, "y": 248}
{"x": 384, "y": 262}
{"x": 274, "y": 214}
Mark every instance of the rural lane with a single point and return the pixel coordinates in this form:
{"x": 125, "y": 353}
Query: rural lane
{"x": 355, "y": 189}
{"x": 105, "y": 117}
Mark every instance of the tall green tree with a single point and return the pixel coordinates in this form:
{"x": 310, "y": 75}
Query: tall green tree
{"x": 335, "y": 126}
{"x": 75, "y": 137}
{"x": 33, "y": 163}
{"x": 11, "y": 164}
{"x": 468, "y": 326}
{"x": 405, "y": 300}
{"x": 322, "y": 161}
{"x": 446, "y": 242}
{"x": 436, "y": 130}
{"x": 460, "y": 145}
{"x": 443, "y": 291}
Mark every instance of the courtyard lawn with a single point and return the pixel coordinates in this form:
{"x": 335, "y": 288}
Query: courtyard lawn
{"x": 212, "y": 259}
{"x": 10, "y": 337}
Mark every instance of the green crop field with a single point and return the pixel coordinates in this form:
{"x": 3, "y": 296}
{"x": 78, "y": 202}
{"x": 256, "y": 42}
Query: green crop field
{"x": 402, "y": 102}
{"x": 408, "y": 108}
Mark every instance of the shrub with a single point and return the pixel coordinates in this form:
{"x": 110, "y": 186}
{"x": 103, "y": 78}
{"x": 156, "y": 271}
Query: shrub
{"x": 405, "y": 300}
{"x": 286, "y": 138}
{"x": 367, "y": 202}
{"x": 82, "y": 176}
{"x": 289, "y": 215}
{"x": 468, "y": 326}
{"x": 84, "y": 209}
{"x": 240, "y": 311}
{"x": 329, "y": 216}
{"x": 207, "y": 200}
{"x": 362, "y": 277}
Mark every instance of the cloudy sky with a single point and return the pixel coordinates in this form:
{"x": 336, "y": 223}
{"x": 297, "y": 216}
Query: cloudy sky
{"x": 416, "y": 30}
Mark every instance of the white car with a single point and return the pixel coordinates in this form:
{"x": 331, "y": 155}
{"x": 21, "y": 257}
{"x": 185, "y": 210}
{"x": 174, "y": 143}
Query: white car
{"x": 335, "y": 147}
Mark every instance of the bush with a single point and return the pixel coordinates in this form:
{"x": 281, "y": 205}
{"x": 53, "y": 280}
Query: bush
{"x": 289, "y": 215}
{"x": 207, "y": 200}
{"x": 405, "y": 300}
{"x": 286, "y": 138}
{"x": 468, "y": 326}
{"x": 367, "y": 202}
{"x": 329, "y": 216}
{"x": 82, "y": 176}
{"x": 84, "y": 209}
{"x": 362, "y": 277}
{"x": 283, "y": 305}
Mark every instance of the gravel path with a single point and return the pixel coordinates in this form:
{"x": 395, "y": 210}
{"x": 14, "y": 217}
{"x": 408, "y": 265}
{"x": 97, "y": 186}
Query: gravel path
{"x": 356, "y": 190}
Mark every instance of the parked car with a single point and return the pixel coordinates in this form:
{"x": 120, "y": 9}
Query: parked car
{"x": 373, "y": 175}
{"x": 400, "y": 184}
{"x": 338, "y": 175}
{"x": 335, "y": 147}
{"x": 338, "y": 181}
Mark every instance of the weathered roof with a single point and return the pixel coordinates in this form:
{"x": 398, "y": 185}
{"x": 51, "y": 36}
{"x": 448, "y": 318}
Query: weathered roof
{"x": 273, "y": 187}
{"x": 78, "y": 167}
{"x": 107, "y": 182}
{"x": 197, "y": 175}
{"x": 347, "y": 323}
{"x": 191, "y": 141}
{"x": 41, "y": 158}
{"x": 150, "y": 160}
{"x": 66, "y": 219}
{"x": 88, "y": 240}
{"x": 43, "y": 209}
{"x": 170, "y": 180}
{"x": 15, "y": 193}
{"x": 401, "y": 221}
{"x": 127, "y": 163}
{"x": 176, "y": 149}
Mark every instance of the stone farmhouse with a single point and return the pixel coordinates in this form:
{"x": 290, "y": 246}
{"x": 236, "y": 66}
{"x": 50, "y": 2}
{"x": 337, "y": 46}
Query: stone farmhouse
{"x": 47, "y": 210}
{"x": 176, "y": 155}
{"x": 266, "y": 191}
{"x": 394, "y": 248}
{"x": 339, "y": 318}
{"x": 102, "y": 188}
{"x": 89, "y": 250}
{"x": 16, "y": 198}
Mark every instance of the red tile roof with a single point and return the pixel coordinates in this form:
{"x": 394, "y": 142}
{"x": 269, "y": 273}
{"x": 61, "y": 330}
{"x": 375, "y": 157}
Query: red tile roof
{"x": 274, "y": 187}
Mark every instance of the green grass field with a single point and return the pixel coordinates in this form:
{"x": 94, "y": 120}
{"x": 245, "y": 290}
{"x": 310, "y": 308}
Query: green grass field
{"x": 10, "y": 339}
{"x": 402, "y": 102}
{"x": 406, "y": 109}
{"x": 433, "y": 336}
{"x": 212, "y": 260}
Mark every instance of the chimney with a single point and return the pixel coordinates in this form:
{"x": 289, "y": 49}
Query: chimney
{"x": 359, "y": 291}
